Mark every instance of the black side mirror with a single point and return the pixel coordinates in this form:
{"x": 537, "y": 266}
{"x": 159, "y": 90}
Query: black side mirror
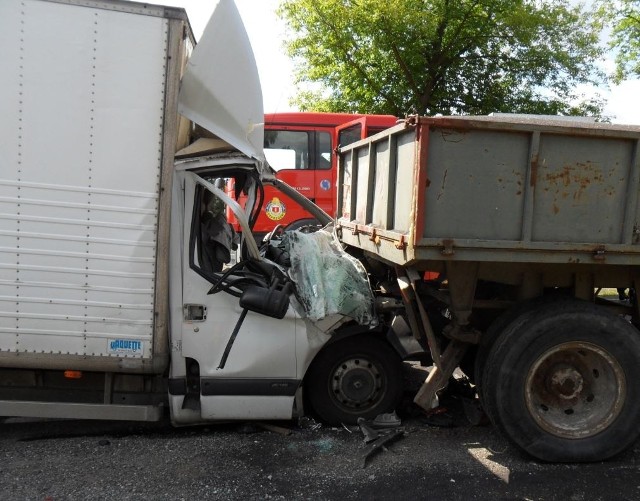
{"x": 270, "y": 302}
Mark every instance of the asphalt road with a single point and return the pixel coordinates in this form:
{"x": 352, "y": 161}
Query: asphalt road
{"x": 442, "y": 457}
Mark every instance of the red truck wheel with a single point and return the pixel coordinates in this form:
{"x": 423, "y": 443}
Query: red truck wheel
{"x": 360, "y": 376}
{"x": 561, "y": 383}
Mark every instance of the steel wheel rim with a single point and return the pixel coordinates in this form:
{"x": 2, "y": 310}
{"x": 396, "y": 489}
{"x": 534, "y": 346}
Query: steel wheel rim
{"x": 356, "y": 384}
{"x": 575, "y": 390}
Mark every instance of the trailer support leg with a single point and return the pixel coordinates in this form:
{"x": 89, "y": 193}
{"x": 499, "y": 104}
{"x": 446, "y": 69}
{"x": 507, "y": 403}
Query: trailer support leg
{"x": 462, "y": 301}
{"x": 420, "y": 325}
{"x": 463, "y": 278}
{"x": 583, "y": 286}
{"x": 438, "y": 378}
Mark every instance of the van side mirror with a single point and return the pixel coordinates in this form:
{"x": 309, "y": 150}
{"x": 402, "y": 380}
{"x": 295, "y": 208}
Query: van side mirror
{"x": 270, "y": 302}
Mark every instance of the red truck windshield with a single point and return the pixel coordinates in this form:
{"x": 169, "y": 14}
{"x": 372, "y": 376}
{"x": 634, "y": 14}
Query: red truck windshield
{"x": 297, "y": 150}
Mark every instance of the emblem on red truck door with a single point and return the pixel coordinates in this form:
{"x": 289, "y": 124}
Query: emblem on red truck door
{"x": 275, "y": 209}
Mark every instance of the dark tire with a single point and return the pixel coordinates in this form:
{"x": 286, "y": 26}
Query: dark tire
{"x": 500, "y": 324}
{"x": 359, "y": 376}
{"x": 561, "y": 383}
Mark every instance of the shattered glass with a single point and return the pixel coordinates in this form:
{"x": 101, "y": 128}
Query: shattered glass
{"x": 328, "y": 280}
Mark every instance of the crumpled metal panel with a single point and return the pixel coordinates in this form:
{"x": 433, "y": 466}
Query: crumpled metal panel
{"x": 220, "y": 90}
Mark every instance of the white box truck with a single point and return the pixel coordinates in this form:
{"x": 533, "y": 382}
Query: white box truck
{"x": 112, "y": 246}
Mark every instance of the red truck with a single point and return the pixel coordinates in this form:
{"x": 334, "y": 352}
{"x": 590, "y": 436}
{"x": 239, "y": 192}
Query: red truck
{"x": 300, "y": 147}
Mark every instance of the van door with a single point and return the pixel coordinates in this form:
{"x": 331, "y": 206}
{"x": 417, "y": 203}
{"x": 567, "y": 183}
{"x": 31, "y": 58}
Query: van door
{"x": 227, "y": 362}
{"x": 245, "y": 362}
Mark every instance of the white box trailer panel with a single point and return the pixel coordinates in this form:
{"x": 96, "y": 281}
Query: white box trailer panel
{"x": 82, "y": 96}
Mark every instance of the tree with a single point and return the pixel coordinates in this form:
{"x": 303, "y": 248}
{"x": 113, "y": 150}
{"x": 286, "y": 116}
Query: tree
{"x": 443, "y": 56}
{"x": 624, "y": 17}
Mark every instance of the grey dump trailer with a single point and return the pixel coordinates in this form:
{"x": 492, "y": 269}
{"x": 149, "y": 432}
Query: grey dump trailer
{"x": 498, "y": 233}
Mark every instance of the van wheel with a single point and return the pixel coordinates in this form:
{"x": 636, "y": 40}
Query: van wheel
{"x": 360, "y": 376}
{"x": 561, "y": 383}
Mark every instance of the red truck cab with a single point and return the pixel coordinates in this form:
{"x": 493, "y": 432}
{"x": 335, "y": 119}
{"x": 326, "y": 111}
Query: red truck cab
{"x": 300, "y": 148}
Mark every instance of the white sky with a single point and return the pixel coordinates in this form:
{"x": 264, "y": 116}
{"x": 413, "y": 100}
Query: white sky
{"x": 266, "y": 33}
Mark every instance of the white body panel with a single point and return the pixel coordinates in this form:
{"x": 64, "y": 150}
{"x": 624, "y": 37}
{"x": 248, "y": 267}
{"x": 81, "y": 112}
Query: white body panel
{"x": 221, "y": 87}
{"x": 81, "y": 122}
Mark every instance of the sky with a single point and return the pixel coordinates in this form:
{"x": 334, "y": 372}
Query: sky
{"x": 267, "y": 33}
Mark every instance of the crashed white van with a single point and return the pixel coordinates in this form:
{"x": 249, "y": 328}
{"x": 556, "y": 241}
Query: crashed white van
{"x": 119, "y": 292}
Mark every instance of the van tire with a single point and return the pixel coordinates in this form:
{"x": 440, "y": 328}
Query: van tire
{"x": 358, "y": 376}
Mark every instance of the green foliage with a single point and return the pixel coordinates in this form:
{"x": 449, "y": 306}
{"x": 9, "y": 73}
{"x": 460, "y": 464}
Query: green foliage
{"x": 624, "y": 18}
{"x": 443, "y": 56}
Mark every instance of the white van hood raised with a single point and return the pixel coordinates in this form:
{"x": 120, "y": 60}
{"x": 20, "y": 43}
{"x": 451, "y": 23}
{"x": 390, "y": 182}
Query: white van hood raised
{"x": 220, "y": 89}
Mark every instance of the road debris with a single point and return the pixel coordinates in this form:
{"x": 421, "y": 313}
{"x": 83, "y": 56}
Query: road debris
{"x": 388, "y": 420}
{"x": 385, "y": 438}
{"x": 308, "y": 423}
{"x": 274, "y": 428}
{"x": 439, "y": 417}
{"x": 382, "y": 430}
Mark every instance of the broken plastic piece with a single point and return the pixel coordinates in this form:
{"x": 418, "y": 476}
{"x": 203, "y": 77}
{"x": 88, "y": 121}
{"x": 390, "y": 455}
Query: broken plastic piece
{"x": 369, "y": 433}
{"x": 308, "y": 423}
{"x": 381, "y": 422}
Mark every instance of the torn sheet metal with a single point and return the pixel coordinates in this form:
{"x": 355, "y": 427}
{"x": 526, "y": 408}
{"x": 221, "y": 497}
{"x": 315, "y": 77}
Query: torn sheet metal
{"x": 328, "y": 280}
{"x": 379, "y": 443}
{"x": 220, "y": 89}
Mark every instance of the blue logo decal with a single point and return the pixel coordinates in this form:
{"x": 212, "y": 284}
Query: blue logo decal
{"x": 325, "y": 184}
{"x": 125, "y": 346}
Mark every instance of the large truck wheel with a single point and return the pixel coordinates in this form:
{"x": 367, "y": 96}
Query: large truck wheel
{"x": 561, "y": 382}
{"x": 518, "y": 312}
{"x": 360, "y": 376}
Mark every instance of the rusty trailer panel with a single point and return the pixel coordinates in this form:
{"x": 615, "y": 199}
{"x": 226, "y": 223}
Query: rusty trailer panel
{"x": 498, "y": 189}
